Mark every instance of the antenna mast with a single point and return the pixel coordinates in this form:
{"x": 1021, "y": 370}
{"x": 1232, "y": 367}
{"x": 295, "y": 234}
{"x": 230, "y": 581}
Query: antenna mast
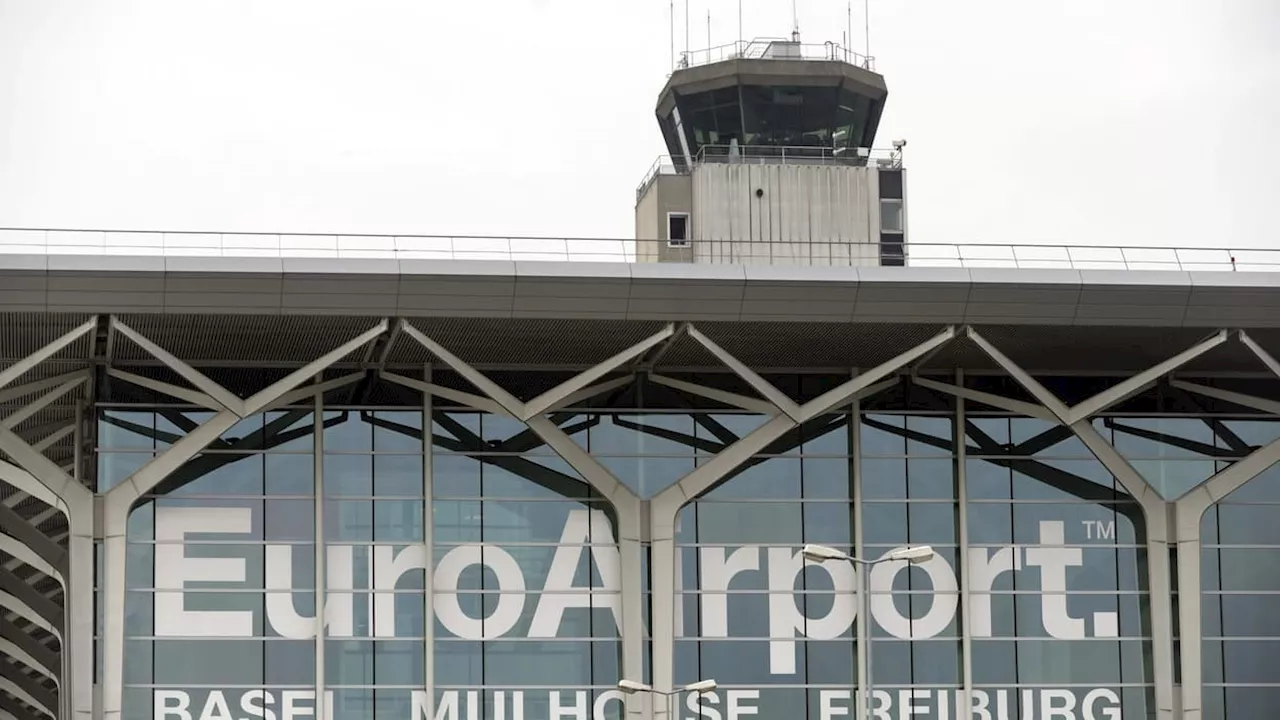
{"x": 708, "y": 29}
{"x": 866, "y": 14}
{"x": 849, "y": 35}
{"x": 740, "y": 20}
{"x": 686, "y": 29}
{"x": 672, "y": 57}
{"x": 795, "y": 22}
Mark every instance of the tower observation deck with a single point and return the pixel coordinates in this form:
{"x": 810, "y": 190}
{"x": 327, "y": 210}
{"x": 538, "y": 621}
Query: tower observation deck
{"x": 770, "y": 160}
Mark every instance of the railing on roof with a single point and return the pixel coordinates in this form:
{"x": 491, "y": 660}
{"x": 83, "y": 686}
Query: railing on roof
{"x": 771, "y": 155}
{"x": 303, "y": 245}
{"x": 775, "y": 49}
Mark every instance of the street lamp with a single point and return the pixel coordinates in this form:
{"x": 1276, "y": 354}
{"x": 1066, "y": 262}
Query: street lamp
{"x": 631, "y": 687}
{"x": 823, "y": 553}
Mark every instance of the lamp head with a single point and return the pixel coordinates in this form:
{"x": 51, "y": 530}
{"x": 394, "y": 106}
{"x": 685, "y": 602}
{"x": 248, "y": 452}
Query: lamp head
{"x": 822, "y": 553}
{"x": 914, "y": 555}
{"x": 631, "y": 687}
{"x": 701, "y": 686}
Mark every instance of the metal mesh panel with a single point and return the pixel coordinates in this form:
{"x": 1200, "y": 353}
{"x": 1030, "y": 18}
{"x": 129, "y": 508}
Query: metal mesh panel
{"x": 282, "y": 339}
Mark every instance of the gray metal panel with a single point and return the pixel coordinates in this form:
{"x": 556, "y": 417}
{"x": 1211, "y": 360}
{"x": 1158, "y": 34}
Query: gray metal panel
{"x": 571, "y": 290}
{"x": 112, "y": 263}
{"x": 342, "y": 266}
{"x": 23, "y": 286}
{"x": 180, "y": 264}
{"x": 583, "y": 270}
{"x": 447, "y": 288}
{"x": 25, "y": 262}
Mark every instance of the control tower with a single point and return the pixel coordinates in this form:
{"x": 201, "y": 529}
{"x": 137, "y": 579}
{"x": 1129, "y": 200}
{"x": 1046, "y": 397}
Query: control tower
{"x": 770, "y": 161}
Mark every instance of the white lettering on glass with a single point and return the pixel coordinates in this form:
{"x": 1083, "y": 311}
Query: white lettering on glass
{"x": 775, "y": 568}
{"x": 732, "y": 704}
{"x": 174, "y": 569}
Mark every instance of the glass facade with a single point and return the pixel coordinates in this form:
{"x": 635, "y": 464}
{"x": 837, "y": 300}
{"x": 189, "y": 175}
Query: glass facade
{"x": 1240, "y": 581}
{"x": 1040, "y": 572}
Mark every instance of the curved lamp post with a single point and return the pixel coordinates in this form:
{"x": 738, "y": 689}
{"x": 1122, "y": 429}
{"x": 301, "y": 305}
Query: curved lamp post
{"x": 822, "y": 553}
{"x": 631, "y": 687}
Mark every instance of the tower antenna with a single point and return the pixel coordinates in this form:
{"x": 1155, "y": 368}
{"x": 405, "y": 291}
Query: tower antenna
{"x": 708, "y": 28}
{"x": 795, "y": 22}
{"x": 849, "y": 35}
{"x": 672, "y": 57}
{"x": 866, "y": 14}
{"x": 686, "y": 29}
{"x": 740, "y": 20}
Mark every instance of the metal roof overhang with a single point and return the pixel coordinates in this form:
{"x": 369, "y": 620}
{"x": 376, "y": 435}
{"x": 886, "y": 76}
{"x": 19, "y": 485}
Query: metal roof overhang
{"x": 569, "y": 314}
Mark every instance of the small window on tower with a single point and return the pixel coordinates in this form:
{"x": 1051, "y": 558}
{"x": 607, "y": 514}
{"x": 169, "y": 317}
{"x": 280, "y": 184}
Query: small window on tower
{"x": 678, "y": 229}
{"x": 891, "y": 216}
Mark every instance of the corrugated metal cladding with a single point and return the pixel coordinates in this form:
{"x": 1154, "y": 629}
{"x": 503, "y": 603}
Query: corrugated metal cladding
{"x": 780, "y": 214}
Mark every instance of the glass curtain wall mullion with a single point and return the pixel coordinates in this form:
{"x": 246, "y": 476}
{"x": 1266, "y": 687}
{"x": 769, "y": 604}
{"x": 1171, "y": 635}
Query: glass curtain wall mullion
{"x": 862, "y": 638}
{"x": 428, "y": 525}
{"x": 962, "y": 499}
{"x": 321, "y": 556}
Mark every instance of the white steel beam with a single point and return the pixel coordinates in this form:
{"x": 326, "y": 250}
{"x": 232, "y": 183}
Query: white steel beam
{"x": 29, "y": 686}
{"x": 1256, "y": 403}
{"x": 296, "y": 396}
{"x": 26, "y": 555}
{"x": 20, "y": 391}
{"x": 626, "y": 503}
{"x": 20, "y": 655}
{"x": 121, "y": 498}
{"x": 665, "y": 506}
{"x": 591, "y": 391}
{"x": 1155, "y": 508}
{"x": 1014, "y": 406}
{"x": 771, "y": 393}
{"x": 732, "y": 399}
{"x": 30, "y": 537}
{"x": 1262, "y": 354}
{"x": 30, "y": 362}
{"x": 1096, "y": 404}
{"x": 53, "y": 438}
{"x": 27, "y": 483}
{"x": 12, "y": 688}
{"x": 549, "y": 399}
{"x": 1189, "y": 513}
{"x": 44, "y": 478}
{"x": 195, "y": 397}
{"x": 24, "y": 610}
{"x": 30, "y": 409}
{"x": 478, "y": 402}
{"x": 1188, "y": 509}
{"x": 223, "y": 397}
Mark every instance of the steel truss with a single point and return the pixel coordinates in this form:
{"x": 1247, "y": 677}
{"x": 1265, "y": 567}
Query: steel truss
{"x": 642, "y": 523}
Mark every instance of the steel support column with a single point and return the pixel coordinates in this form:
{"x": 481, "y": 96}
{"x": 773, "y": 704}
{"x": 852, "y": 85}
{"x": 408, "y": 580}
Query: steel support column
{"x": 1078, "y": 419}
{"x": 1189, "y": 511}
{"x": 36, "y": 475}
{"x": 665, "y": 506}
{"x": 119, "y": 500}
{"x": 625, "y": 502}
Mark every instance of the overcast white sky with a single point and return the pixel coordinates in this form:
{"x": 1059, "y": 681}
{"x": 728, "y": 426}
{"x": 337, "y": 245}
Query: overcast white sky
{"x": 1083, "y": 121}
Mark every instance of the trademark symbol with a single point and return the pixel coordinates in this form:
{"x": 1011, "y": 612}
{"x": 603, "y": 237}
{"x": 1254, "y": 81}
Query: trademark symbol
{"x": 1099, "y": 529}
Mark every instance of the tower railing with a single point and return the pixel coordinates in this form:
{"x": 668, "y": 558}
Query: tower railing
{"x": 836, "y": 253}
{"x": 775, "y": 49}
{"x": 771, "y": 155}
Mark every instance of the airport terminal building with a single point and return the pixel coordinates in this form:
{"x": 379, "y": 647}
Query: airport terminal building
{"x": 290, "y": 477}
{"x": 606, "y": 472}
